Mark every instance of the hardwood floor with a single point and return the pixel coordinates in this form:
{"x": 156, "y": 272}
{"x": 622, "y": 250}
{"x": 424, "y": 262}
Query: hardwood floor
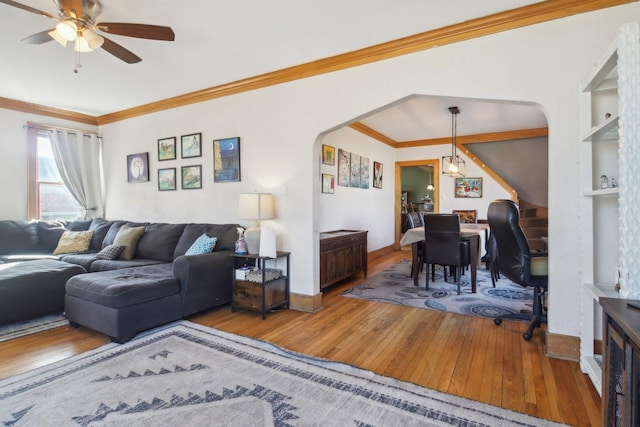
{"x": 461, "y": 355}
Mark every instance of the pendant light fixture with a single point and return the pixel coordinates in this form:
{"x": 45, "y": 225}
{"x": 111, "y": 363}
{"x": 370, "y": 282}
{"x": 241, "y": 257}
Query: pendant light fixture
{"x": 454, "y": 165}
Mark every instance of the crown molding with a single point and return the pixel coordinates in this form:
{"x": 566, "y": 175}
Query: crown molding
{"x": 508, "y": 20}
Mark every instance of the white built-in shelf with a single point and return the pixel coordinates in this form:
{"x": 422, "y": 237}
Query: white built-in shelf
{"x": 601, "y": 290}
{"x": 606, "y": 131}
{"x": 604, "y": 71}
{"x": 602, "y": 192}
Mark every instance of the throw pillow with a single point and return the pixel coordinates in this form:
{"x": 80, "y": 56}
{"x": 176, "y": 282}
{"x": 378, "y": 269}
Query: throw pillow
{"x": 128, "y": 237}
{"x": 203, "y": 244}
{"x": 73, "y": 241}
{"x": 110, "y": 252}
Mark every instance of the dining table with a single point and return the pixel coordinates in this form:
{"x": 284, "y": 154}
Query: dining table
{"x": 474, "y": 233}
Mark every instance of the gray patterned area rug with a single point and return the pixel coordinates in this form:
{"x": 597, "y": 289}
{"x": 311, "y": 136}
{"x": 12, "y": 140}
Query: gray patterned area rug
{"x": 28, "y": 327}
{"x": 191, "y": 375}
{"x": 395, "y": 286}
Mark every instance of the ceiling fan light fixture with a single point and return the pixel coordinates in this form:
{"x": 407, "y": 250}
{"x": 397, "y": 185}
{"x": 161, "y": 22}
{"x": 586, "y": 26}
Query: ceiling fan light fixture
{"x": 82, "y": 45}
{"x": 94, "y": 40}
{"x": 67, "y": 29}
{"x": 54, "y": 35}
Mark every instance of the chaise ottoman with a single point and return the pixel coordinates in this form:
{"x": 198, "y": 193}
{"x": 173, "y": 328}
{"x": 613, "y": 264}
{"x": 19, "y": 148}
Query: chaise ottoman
{"x": 121, "y": 303}
{"x": 32, "y": 289}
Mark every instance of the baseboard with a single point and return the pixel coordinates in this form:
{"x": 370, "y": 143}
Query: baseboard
{"x": 308, "y": 303}
{"x": 380, "y": 252}
{"x": 562, "y": 347}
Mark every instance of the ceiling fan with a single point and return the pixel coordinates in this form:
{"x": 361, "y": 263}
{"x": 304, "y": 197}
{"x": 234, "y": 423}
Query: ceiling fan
{"x": 77, "y": 24}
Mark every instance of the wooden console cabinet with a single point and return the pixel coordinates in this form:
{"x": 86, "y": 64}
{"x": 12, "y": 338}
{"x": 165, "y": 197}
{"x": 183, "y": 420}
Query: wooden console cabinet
{"x": 621, "y": 364}
{"x": 343, "y": 253}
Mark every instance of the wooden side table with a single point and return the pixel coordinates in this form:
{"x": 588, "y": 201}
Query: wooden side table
{"x": 264, "y": 295}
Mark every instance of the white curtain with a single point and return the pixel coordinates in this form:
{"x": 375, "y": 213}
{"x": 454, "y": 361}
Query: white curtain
{"x": 79, "y": 160}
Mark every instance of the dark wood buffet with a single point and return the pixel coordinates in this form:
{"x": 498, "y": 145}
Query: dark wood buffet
{"x": 343, "y": 253}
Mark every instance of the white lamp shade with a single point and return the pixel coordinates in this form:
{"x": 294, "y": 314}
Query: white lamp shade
{"x": 67, "y": 30}
{"x": 256, "y": 206}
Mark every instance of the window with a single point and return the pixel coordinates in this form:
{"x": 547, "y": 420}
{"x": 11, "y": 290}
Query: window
{"x": 49, "y": 198}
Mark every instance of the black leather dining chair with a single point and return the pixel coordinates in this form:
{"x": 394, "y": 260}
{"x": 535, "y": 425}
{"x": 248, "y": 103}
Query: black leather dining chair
{"x": 444, "y": 246}
{"x": 517, "y": 263}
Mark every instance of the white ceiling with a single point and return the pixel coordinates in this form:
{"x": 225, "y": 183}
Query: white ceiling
{"x": 222, "y": 41}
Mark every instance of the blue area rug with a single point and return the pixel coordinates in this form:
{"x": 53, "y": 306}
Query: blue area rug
{"x": 395, "y": 286}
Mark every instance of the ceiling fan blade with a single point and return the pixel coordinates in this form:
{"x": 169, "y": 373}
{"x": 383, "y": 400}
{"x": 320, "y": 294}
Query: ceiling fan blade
{"x": 142, "y": 31}
{"x": 27, "y": 8}
{"x": 120, "y": 52}
{"x": 38, "y": 38}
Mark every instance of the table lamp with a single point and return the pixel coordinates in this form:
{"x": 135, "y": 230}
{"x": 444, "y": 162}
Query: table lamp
{"x": 255, "y": 206}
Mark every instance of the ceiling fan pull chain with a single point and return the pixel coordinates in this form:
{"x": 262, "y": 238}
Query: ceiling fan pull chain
{"x": 78, "y": 64}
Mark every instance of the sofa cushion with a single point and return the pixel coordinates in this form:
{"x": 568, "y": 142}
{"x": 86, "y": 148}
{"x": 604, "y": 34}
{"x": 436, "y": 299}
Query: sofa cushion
{"x": 78, "y": 224}
{"x": 100, "y": 228}
{"x": 18, "y": 237}
{"x": 203, "y": 244}
{"x": 128, "y": 237}
{"x": 124, "y": 288}
{"x": 159, "y": 241}
{"x": 49, "y": 233}
{"x": 225, "y": 233}
{"x": 110, "y": 252}
{"x": 73, "y": 241}
{"x": 83, "y": 260}
{"x": 119, "y": 264}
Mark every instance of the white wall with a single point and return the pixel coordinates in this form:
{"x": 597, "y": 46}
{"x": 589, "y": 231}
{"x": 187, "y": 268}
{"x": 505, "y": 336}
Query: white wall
{"x": 280, "y": 125}
{"x": 13, "y": 159}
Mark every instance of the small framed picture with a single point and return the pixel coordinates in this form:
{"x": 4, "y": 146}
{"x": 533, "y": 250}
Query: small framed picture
{"x": 468, "y": 188}
{"x": 328, "y": 155}
{"x": 138, "y": 167}
{"x": 328, "y": 183}
{"x": 191, "y": 177}
{"x": 191, "y": 145}
{"x": 167, "y": 148}
{"x": 226, "y": 160}
{"x": 167, "y": 179}
{"x": 377, "y": 175}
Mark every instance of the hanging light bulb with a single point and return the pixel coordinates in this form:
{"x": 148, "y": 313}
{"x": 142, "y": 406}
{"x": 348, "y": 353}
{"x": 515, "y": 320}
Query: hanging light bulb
{"x": 68, "y": 30}
{"x": 454, "y": 165}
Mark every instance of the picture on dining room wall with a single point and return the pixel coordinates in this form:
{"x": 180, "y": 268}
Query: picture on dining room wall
{"x": 328, "y": 155}
{"x": 226, "y": 160}
{"x": 138, "y": 167}
{"x": 167, "y": 149}
{"x": 191, "y": 145}
{"x": 377, "y": 175}
{"x": 167, "y": 179}
{"x": 328, "y": 182}
{"x": 468, "y": 188}
{"x": 191, "y": 177}
{"x": 344, "y": 167}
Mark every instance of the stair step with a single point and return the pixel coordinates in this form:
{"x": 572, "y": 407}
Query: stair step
{"x": 533, "y": 232}
{"x": 528, "y": 212}
{"x": 536, "y": 245}
{"x": 534, "y": 222}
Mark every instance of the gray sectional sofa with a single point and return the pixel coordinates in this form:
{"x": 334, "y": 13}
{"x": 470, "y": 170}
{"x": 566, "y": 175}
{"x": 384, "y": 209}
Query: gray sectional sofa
{"x": 118, "y": 297}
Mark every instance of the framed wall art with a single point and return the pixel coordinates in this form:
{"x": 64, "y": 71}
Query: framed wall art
{"x": 167, "y": 148}
{"x": 226, "y": 160}
{"x": 468, "y": 188}
{"x": 377, "y": 175}
{"x": 191, "y": 145}
{"x": 191, "y": 177}
{"x": 138, "y": 167}
{"x": 167, "y": 179}
{"x": 328, "y": 182}
{"x": 328, "y": 155}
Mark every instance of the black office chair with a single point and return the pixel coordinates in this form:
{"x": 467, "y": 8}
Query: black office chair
{"x": 516, "y": 262}
{"x": 443, "y": 245}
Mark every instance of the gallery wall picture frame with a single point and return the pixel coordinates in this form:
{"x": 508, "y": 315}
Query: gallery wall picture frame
{"x": 226, "y": 160}
{"x": 167, "y": 179}
{"x": 191, "y": 145}
{"x": 377, "y": 174}
{"x": 468, "y": 188}
{"x": 328, "y": 155}
{"x": 191, "y": 177}
{"x": 167, "y": 149}
{"x": 328, "y": 183}
{"x": 138, "y": 167}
